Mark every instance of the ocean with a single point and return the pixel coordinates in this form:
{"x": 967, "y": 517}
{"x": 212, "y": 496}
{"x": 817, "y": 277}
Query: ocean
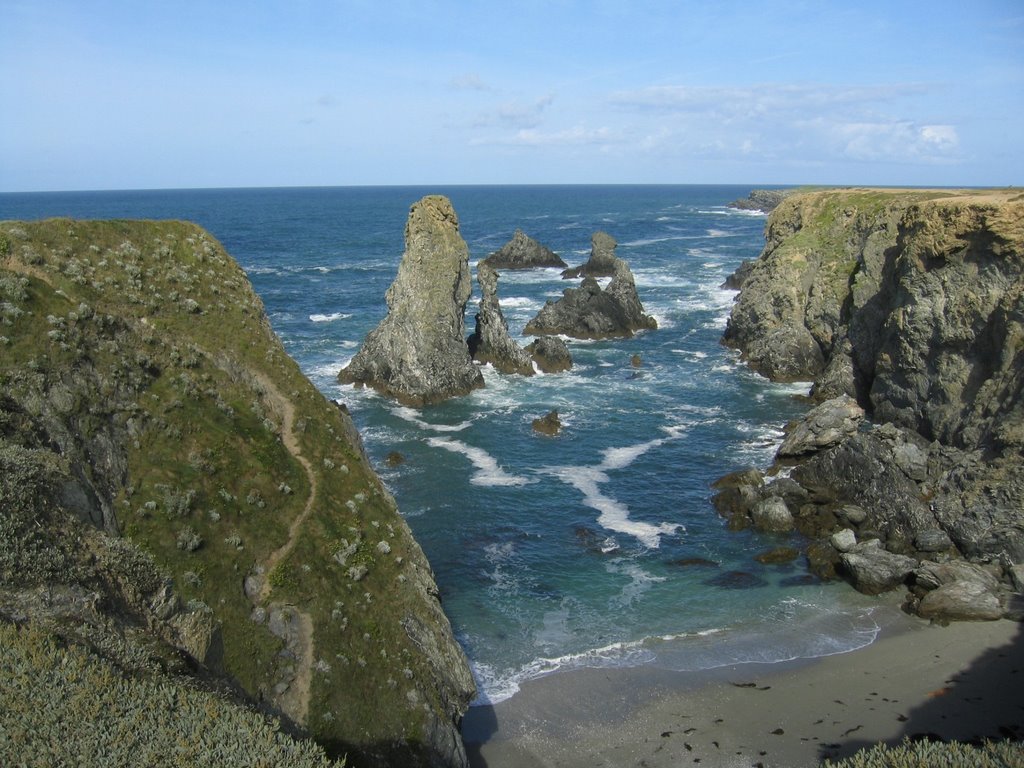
{"x": 598, "y": 547}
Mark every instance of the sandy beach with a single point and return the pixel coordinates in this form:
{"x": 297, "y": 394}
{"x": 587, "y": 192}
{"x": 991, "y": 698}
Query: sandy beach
{"x": 964, "y": 681}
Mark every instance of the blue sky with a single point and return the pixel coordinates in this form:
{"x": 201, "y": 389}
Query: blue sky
{"x": 212, "y": 93}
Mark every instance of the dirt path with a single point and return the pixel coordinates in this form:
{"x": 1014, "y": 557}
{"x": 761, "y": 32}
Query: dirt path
{"x": 295, "y": 700}
{"x": 287, "y": 412}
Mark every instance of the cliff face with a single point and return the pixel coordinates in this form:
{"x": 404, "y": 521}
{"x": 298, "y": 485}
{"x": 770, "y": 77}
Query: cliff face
{"x": 418, "y": 353}
{"x": 178, "y": 498}
{"x": 911, "y": 302}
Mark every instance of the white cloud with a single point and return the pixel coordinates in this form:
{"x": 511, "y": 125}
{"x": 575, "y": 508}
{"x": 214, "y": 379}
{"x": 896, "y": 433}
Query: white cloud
{"x": 893, "y": 141}
{"x": 577, "y": 136}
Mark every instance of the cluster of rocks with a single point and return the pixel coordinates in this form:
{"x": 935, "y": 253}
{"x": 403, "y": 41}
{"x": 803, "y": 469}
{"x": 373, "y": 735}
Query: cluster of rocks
{"x": 593, "y": 312}
{"x": 419, "y": 355}
{"x": 764, "y": 200}
{"x": 905, "y": 312}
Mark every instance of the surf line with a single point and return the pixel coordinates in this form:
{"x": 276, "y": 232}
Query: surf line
{"x": 614, "y": 515}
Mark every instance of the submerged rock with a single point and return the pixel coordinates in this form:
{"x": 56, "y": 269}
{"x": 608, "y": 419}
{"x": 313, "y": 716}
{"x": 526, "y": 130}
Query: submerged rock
{"x": 523, "y": 252}
{"x": 418, "y": 353}
{"x": 490, "y": 342}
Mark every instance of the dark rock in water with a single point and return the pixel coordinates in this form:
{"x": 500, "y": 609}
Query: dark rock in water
{"x": 602, "y": 259}
{"x": 824, "y": 425}
{"x": 736, "y": 580}
{"x": 636, "y": 361}
{"x": 548, "y": 425}
{"x": 523, "y": 252}
{"x": 418, "y": 353}
{"x": 550, "y": 353}
{"x": 394, "y": 459}
{"x": 694, "y": 562}
{"x": 490, "y": 342}
{"x": 588, "y": 312}
{"x": 764, "y": 200}
{"x": 777, "y": 555}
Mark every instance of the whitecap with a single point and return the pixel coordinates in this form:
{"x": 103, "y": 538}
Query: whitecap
{"x": 488, "y": 472}
{"x": 412, "y": 415}
{"x": 318, "y": 318}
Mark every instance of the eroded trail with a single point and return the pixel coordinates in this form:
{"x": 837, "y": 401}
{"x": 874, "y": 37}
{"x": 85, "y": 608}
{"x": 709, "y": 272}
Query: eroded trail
{"x": 298, "y": 636}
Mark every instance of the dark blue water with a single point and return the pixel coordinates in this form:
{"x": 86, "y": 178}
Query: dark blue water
{"x": 550, "y": 552}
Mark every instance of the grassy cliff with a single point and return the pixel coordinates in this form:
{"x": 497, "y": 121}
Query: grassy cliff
{"x": 151, "y": 413}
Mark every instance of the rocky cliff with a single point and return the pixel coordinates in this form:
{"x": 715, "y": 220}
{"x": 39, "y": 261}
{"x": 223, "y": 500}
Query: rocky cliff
{"x": 912, "y": 304}
{"x": 182, "y": 511}
{"x": 418, "y": 353}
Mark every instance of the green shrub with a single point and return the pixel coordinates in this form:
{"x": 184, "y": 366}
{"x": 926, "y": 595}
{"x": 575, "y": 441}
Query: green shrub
{"x": 936, "y": 754}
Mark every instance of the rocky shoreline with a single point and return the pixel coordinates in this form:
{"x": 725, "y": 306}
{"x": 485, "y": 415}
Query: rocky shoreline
{"x": 904, "y": 308}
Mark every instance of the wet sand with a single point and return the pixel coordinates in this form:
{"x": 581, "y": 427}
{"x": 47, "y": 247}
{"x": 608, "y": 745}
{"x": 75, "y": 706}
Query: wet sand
{"x": 964, "y": 682}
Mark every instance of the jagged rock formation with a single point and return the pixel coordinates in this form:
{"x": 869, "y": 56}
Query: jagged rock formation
{"x": 418, "y": 353}
{"x": 764, "y": 200}
{"x": 180, "y": 504}
{"x": 550, "y": 354}
{"x": 588, "y": 312}
{"x": 490, "y": 342}
{"x": 602, "y": 259}
{"x": 911, "y": 303}
{"x": 523, "y": 252}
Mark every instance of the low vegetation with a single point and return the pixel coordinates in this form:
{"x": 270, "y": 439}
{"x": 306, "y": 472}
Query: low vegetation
{"x": 145, "y": 401}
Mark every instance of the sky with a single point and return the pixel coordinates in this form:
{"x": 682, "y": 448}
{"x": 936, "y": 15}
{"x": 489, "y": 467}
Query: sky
{"x": 148, "y": 94}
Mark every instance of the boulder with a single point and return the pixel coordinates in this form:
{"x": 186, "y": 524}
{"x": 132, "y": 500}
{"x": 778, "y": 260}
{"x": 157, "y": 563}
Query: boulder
{"x": 602, "y": 259}
{"x": 961, "y": 601}
{"x": 418, "y": 353}
{"x": 548, "y": 425}
{"x": 824, "y": 426}
{"x": 550, "y": 354}
{"x": 523, "y": 252}
{"x": 490, "y": 342}
{"x": 588, "y": 312}
{"x": 873, "y": 570}
{"x": 844, "y": 540}
{"x": 772, "y": 514}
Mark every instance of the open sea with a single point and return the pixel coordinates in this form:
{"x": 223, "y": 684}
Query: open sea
{"x": 598, "y": 547}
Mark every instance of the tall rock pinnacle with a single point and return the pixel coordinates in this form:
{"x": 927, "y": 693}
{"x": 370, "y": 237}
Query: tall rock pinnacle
{"x": 418, "y": 353}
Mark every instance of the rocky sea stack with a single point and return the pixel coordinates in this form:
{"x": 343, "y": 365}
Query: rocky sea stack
{"x": 196, "y": 558}
{"x": 523, "y": 252}
{"x": 910, "y": 306}
{"x": 418, "y": 354}
{"x": 490, "y": 342}
{"x": 590, "y": 312}
{"x": 602, "y": 259}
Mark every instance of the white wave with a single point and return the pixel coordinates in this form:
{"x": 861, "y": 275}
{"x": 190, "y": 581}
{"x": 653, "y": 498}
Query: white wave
{"x": 263, "y": 270}
{"x": 520, "y": 302}
{"x": 348, "y": 344}
{"x": 412, "y": 415}
{"x": 488, "y": 472}
{"x": 652, "y": 240}
{"x": 318, "y": 318}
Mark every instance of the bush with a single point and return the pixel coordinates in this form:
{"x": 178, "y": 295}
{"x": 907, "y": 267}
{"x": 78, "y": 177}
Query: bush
{"x": 936, "y": 754}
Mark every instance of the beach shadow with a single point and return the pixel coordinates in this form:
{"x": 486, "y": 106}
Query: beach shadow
{"x": 985, "y": 701}
{"x": 479, "y": 724}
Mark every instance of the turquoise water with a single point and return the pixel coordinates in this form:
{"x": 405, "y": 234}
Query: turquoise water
{"x": 549, "y": 552}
